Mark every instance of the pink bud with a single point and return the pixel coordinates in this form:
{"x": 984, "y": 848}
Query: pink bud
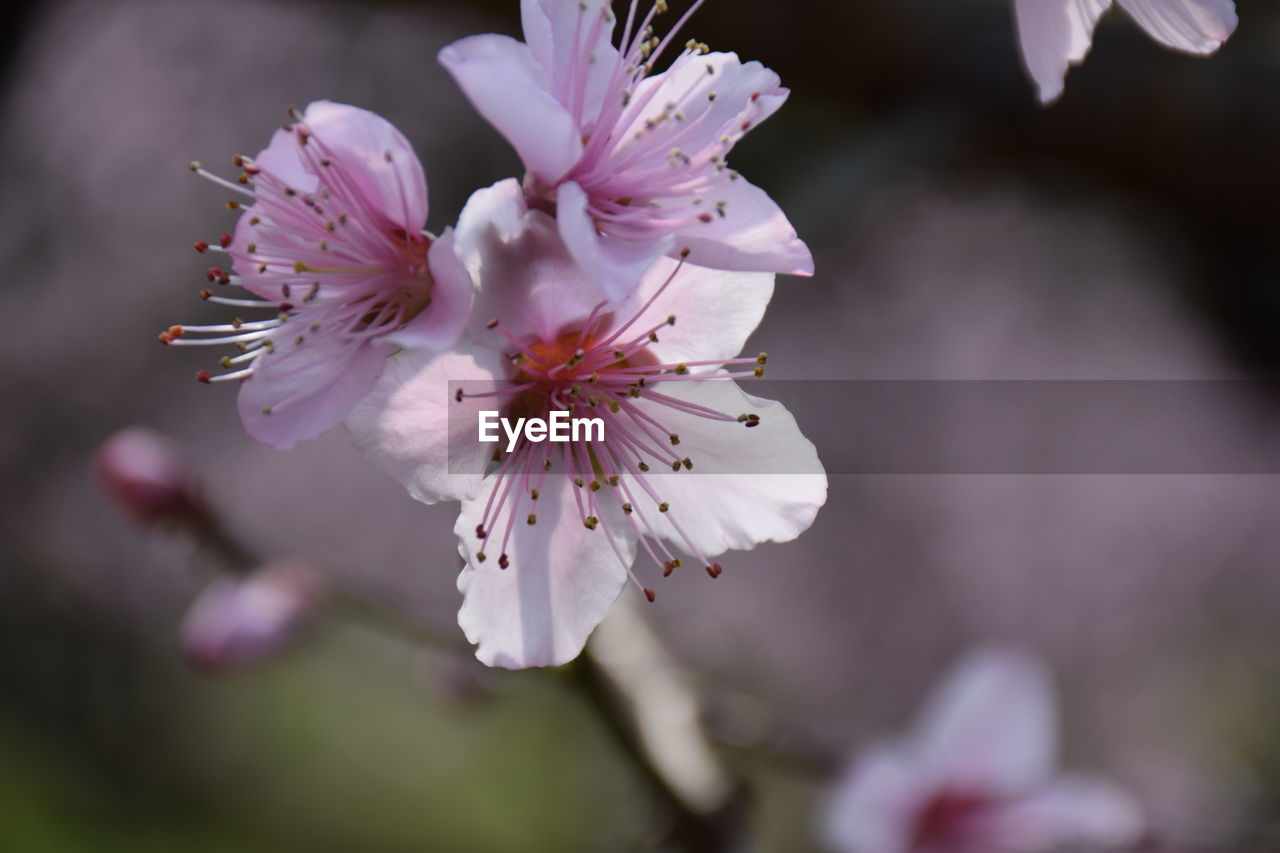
{"x": 240, "y": 622}
{"x": 149, "y": 477}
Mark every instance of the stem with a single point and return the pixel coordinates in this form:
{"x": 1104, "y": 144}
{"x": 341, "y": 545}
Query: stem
{"x": 691, "y": 829}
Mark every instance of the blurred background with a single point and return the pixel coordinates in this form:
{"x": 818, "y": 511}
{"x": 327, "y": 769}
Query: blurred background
{"x": 960, "y": 231}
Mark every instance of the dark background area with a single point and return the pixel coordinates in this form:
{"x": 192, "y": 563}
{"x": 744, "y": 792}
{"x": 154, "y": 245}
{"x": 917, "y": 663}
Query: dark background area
{"x": 960, "y": 232}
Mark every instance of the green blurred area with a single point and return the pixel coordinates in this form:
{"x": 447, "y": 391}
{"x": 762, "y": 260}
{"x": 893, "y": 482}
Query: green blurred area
{"x": 344, "y": 747}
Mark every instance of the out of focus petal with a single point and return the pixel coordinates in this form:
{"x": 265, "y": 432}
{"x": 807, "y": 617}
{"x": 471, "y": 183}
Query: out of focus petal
{"x": 991, "y": 728}
{"x": 1194, "y": 26}
{"x": 1055, "y": 34}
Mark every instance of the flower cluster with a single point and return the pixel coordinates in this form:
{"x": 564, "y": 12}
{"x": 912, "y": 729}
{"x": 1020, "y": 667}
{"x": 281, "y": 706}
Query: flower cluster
{"x": 618, "y": 280}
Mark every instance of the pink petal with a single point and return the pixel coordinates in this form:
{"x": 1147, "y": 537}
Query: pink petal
{"x": 411, "y": 426}
{"x": 376, "y": 158}
{"x": 573, "y": 43}
{"x": 561, "y": 580}
{"x": 1055, "y": 34}
{"x": 613, "y": 263}
{"x": 440, "y": 324}
{"x": 874, "y": 805}
{"x": 716, "y": 93}
{"x": 753, "y": 234}
{"x": 308, "y": 387}
{"x": 747, "y": 485}
{"x": 510, "y": 89}
{"x": 1194, "y": 26}
{"x": 991, "y": 728}
{"x": 1073, "y": 811}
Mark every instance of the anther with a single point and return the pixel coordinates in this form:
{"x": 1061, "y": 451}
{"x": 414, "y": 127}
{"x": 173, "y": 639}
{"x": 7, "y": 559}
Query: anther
{"x": 687, "y": 463}
{"x": 680, "y": 370}
{"x": 643, "y": 466}
{"x": 714, "y": 570}
{"x": 503, "y": 562}
{"x": 205, "y": 294}
{"x": 201, "y": 246}
{"x": 204, "y": 376}
{"x": 664, "y": 506}
{"x": 762, "y": 358}
{"x": 650, "y": 594}
{"x": 480, "y": 556}
{"x": 595, "y": 486}
{"x": 590, "y": 522}
{"x": 533, "y": 519}
{"x": 480, "y": 531}
{"x": 533, "y": 495}
{"x": 626, "y": 509}
{"x": 675, "y": 466}
{"x": 458, "y": 396}
{"x": 675, "y": 439}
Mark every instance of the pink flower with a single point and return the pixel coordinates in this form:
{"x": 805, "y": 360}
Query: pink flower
{"x": 632, "y": 162}
{"x": 976, "y": 775}
{"x": 689, "y": 466}
{"x": 333, "y": 245}
{"x": 1058, "y": 33}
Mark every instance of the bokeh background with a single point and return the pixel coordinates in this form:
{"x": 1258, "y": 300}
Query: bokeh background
{"x": 960, "y": 231}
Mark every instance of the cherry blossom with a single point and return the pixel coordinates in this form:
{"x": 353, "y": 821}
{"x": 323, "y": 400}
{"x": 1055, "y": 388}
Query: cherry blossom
{"x": 333, "y": 245}
{"x": 631, "y": 161}
{"x": 689, "y": 465}
{"x": 1056, "y": 34}
{"x": 977, "y": 775}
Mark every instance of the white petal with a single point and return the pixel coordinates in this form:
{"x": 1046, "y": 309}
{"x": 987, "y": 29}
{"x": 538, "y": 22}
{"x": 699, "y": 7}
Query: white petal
{"x": 523, "y": 274}
{"x": 1054, "y": 35}
{"x": 561, "y": 580}
{"x": 441, "y": 322}
{"x": 307, "y": 388}
{"x": 747, "y": 485}
{"x": 614, "y": 264}
{"x": 991, "y": 727}
{"x": 1074, "y": 810}
{"x": 715, "y": 311}
{"x": 752, "y": 234}
{"x": 510, "y": 89}
{"x": 1194, "y": 26}
{"x": 874, "y": 805}
{"x": 411, "y": 426}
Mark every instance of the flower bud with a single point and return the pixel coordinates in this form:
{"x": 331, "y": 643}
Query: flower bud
{"x": 149, "y": 478}
{"x": 239, "y": 622}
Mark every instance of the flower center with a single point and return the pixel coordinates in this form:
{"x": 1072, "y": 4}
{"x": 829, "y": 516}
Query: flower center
{"x": 604, "y": 371}
{"x": 946, "y": 819}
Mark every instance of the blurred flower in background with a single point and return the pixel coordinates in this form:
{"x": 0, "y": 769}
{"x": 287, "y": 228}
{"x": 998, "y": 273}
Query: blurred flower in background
{"x": 977, "y": 775}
